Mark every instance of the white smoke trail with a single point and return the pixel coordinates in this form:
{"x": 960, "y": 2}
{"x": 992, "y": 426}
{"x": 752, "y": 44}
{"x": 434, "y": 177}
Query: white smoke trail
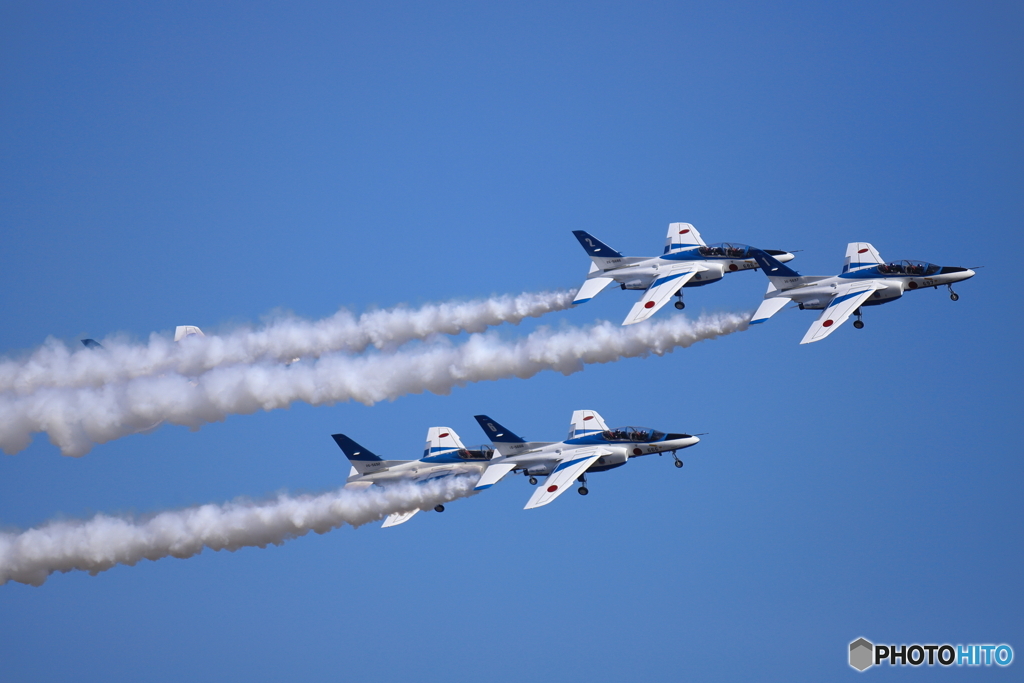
{"x": 55, "y": 365}
{"x": 77, "y": 419}
{"x": 102, "y": 542}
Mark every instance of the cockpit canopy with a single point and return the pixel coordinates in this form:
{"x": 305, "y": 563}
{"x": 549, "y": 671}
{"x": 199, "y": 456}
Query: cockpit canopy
{"x": 725, "y": 250}
{"x": 636, "y": 434}
{"x": 908, "y": 268}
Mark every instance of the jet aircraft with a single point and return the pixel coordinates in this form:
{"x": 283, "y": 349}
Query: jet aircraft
{"x": 444, "y": 456}
{"x": 686, "y": 262}
{"x": 590, "y": 447}
{"x": 866, "y": 280}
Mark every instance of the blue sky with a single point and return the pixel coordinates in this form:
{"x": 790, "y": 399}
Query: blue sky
{"x": 210, "y": 164}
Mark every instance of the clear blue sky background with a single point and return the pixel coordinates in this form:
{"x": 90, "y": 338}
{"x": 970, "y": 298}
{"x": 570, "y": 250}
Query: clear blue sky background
{"x": 208, "y": 163}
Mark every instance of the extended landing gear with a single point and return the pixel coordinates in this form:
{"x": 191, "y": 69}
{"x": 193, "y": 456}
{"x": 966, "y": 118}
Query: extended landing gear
{"x": 953, "y": 295}
{"x": 582, "y": 490}
{"x": 678, "y": 462}
{"x": 439, "y": 508}
{"x": 679, "y": 304}
{"x": 858, "y": 323}
{"x": 533, "y": 481}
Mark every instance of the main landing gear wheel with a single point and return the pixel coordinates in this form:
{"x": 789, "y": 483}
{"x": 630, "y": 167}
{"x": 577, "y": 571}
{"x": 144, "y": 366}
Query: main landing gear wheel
{"x": 439, "y": 508}
{"x": 858, "y": 323}
{"x": 583, "y": 490}
{"x": 680, "y": 305}
{"x": 679, "y": 463}
{"x": 533, "y": 481}
{"x": 953, "y": 295}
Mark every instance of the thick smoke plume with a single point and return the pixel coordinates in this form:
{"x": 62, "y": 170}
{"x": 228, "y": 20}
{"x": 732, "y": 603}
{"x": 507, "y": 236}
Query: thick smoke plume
{"x": 55, "y": 365}
{"x": 102, "y": 542}
{"x": 78, "y": 418}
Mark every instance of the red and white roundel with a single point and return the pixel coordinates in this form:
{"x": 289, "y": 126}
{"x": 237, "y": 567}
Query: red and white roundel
{"x": 588, "y": 417}
{"x": 862, "y": 251}
{"x": 649, "y": 304}
{"x": 684, "y": 231}
{"x": 637, "y": 451}
{"x": 827, "y": 323}
{"x": 552, "y": 488}
{"x": 912, "y": 284}
{"x": 441, "y": 436}
{"x": 733, "y": 266}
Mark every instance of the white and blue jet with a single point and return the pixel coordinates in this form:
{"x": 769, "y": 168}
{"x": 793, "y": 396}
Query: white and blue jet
{"x": 443, "y": 456}
{"x": 686, "y": 262}
{"x": 866, "y": 280}
{"x": 590, "y": 447}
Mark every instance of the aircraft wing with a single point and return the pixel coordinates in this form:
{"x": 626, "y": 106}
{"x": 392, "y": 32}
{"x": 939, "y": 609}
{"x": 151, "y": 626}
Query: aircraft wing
{"x": 591, "y": 288}
{"x": 768, "y": 308}
{"x": 398, "y": 518}
{"x": 493, "y": 474}
{"x": 661, "y": 290}
{"x": 839, "y": 309}
{"x": 573, "y": 464}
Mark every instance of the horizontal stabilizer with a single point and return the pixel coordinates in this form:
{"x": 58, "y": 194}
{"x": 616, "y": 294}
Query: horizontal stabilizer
{"x": 493, "y": 474}
{"x": 768, "y": 308}
{"x": 398, "y": 518}
{"x": 591, "y": 288}
{"x": 182, "y": 331}
{"x": 91, "y": 344}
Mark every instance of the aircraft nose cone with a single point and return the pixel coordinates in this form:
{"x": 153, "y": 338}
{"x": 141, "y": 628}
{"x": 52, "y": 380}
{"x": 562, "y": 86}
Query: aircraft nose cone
{"x": 968, "y": 273}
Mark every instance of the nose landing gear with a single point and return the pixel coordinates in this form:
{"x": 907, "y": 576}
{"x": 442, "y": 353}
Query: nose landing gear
{"x": 582, "y": 490}
{"x": 953, "y": 295}
{"x": 858, "y": 323}
{"x": 678, "y": 462}
{"x": 679, "y": 304}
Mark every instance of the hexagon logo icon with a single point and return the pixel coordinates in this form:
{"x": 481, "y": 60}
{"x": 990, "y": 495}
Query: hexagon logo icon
{"x": 862, "y": 654}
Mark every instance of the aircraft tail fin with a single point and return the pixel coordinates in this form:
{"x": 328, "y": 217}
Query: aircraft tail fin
{"x": 364, "y": 461}
{"x": 861, "y": 255}
{"x": 682, "y": 236}
{"x": 586, "y": 422}
{"x": 604, "y": 256}
{"x": 495, "y": 432}
{"x": 781, "y": 276}
{"x": 441, "y": 440}
{"x": 91, "y": 344}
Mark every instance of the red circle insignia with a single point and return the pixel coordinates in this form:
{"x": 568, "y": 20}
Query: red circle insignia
{"x": 827, "y": 323}
{"x": 649, "y": 304}
{"x": 552, "y": 488}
